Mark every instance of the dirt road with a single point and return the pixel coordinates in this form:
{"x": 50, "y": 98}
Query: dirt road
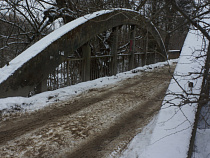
{"x": 96, "y": 123}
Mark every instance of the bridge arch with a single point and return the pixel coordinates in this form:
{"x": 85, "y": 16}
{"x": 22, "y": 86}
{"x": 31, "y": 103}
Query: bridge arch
{"x": 33, "y": 65}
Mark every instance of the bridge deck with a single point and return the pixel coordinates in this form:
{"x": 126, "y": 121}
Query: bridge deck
{"x": 93, "y": 124}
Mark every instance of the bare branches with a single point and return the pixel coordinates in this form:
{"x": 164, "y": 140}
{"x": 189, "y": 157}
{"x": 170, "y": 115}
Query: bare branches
{"x": 143, "y": 2}
{"x": 194, "y": 23}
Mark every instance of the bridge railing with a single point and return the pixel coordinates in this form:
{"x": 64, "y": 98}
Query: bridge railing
{"x": 74, "y": 70}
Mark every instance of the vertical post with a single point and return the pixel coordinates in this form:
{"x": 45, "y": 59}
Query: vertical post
{"x": 132, "y": 46}
{"x": 143, "y": 59}
{"x": 147, "y": 46}
{"x": 86, "y": 51}
{"x": 114, "y": 50}
{"x": 67, "y": 69}
{"x": 145, "y": 56}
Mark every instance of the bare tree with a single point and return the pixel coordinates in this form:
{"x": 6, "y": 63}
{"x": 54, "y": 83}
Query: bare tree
{"x": 20, "y": 23}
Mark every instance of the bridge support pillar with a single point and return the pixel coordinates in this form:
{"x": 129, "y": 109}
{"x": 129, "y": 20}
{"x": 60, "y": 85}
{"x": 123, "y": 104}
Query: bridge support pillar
{"x": 132, "y": 47}
{"x": 114, "y": 50}
{"x": 86, "y": 51}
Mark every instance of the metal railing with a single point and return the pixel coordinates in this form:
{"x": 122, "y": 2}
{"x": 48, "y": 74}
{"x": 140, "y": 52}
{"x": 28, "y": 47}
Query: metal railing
{"x": 71, "y": 71}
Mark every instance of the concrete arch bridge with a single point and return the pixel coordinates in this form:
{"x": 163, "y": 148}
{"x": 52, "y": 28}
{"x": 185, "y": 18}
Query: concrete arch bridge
{"x": 99, "y": 44}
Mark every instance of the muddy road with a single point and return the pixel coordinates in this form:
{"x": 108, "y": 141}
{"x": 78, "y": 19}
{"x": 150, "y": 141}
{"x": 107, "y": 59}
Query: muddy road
{"x": 97, "y": 123}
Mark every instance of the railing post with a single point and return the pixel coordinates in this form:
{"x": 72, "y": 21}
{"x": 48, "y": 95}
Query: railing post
{"x": 145, "y": 49}
{"x": 67, "y": 69}
{"x": 114, "y": 50}
{"x": 86, "y": 51}
{"x": 132, "y": 47}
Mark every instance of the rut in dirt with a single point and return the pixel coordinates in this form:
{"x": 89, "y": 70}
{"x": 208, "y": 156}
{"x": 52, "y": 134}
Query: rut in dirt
{"x": 125, "y": 125}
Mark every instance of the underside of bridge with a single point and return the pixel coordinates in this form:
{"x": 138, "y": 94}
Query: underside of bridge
{"x": 134, "y": 42}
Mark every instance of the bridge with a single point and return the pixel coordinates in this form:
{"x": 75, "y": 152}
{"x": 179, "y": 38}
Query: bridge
{"x": 51, "y": 63}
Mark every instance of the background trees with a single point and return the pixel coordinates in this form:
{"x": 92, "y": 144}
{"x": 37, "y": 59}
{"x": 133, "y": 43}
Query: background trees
{"x": 24, "y": 22}
{"x": 21, "y": 25}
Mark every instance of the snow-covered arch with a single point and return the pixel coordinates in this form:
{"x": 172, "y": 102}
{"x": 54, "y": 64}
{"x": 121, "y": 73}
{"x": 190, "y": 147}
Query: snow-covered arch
{"x": 28, "y": 69}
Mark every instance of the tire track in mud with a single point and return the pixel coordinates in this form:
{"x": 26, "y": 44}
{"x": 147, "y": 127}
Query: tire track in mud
{"x": 124, "y": 125}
